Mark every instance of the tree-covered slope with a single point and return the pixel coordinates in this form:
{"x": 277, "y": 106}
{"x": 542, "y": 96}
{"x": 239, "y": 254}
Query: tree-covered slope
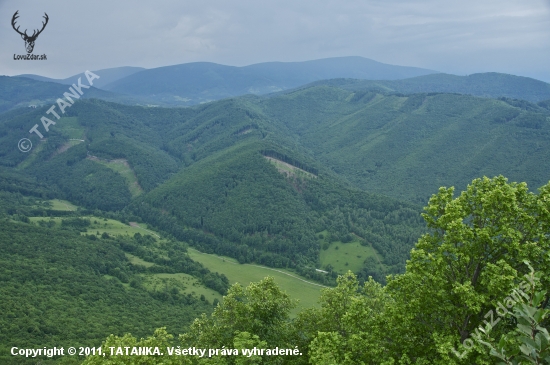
{"x": 61, "y": 289}
{"x": 214, "y": 174}
{"x": 490, "y": 85}
{"x": 236, "y": 203}
{"x": 475, "y": 290}
{"x": 408, "y": 146}
{"x": 256, "y": 214}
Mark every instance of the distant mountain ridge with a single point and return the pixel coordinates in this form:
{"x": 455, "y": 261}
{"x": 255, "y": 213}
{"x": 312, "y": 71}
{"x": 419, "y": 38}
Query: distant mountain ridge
{"x": 193, "y": 83}
{"x": 330, "y": 68}
{"x": 106, "y": 76}
{"x": 18, "y": 92}
{"x": 199, "y": 82}
{"x": 489, "y": 84}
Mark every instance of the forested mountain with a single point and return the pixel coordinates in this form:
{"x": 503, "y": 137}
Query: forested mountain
{"x": 490, "y": 85}
{"x": 222, "y": 153}
{"x": 241, "y": 206}
{"x": 408, "y": 146}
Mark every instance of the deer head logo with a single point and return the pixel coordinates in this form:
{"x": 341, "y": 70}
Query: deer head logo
{"x": 29, "y": 40}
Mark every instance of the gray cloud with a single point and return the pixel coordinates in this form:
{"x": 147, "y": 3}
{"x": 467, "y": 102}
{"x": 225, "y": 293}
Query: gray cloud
{"x": 457, "y": 37}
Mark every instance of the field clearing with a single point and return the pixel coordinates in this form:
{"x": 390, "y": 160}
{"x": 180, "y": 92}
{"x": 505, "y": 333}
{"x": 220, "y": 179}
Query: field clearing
{"x": 99, "y": 225}
{"x": 306, "y": 292}
{"x": 113, "y": 227}
{"x": 35, "y": 151}
{"x": 346, "y": 256}
{"x": 69, "y": 127}
{"x": 184, "y": 282}
{"x": 56, "y": 220}
{"x": 56, "y": 204}
{"x": 288, "y": 169}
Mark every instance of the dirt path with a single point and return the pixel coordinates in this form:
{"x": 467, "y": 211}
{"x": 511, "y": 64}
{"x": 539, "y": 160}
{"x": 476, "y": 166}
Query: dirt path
{"x": 134, "y": 224}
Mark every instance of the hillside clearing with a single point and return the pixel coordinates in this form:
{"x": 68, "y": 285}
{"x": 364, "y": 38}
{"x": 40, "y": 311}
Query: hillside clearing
{"x": 288, "y": 169}
{"x": 122, "y": 167}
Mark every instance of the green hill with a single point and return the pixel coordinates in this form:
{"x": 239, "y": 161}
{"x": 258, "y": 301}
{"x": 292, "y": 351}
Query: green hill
{"x": 237, "y": 204}
{"x": 62, "y": 289}
{"x": 408, "y": 146}
{"x": 490, "y": 85}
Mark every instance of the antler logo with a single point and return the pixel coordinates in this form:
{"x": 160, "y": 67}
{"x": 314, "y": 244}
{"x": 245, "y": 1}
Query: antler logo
{"x": 29, "y": 40}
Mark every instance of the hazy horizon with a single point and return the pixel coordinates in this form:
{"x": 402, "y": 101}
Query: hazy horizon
{"x": 457, "y": 38}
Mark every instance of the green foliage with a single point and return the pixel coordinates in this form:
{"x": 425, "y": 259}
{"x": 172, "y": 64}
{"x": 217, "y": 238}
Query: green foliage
{"x": 257, "y": 315}
{"x": 544, "y": 104}
{"x": 206, "y": 180}
{"x": 241, "y": 207}
{"x": 348, "y": 327}
{"x": 13, "y": 181}
{"x": 172, "y": 258}
{"x": 472, "y": 257}
{"x": 78, "y": 223}
{"x": 117, "y": 131}
{"x": 529, "y": 342}
{"x": 478, "y": 246}
{"x": 237, "y": 204}
{"x": 207, "y": 183}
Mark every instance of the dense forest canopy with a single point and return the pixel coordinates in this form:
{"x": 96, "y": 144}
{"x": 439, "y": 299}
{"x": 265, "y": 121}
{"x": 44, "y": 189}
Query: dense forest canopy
{"x": 213, "y": 175}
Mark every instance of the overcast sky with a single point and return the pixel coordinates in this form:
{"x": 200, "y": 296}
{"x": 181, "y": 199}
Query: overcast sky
{"x": 459, "y": 37}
